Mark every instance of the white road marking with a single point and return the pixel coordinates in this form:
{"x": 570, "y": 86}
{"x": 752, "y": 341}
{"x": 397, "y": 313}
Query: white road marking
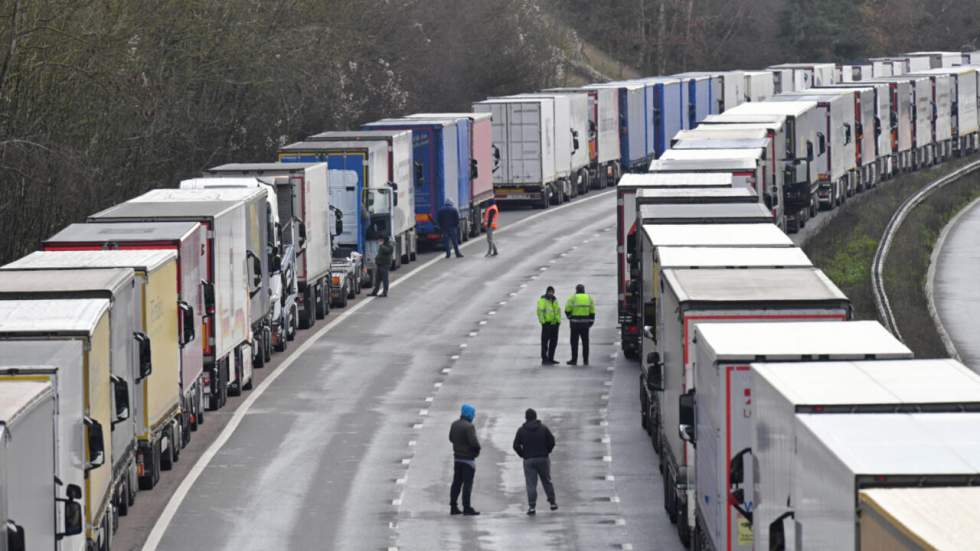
{"x": 180, "y": 494}
{"x": 454, "y": 357}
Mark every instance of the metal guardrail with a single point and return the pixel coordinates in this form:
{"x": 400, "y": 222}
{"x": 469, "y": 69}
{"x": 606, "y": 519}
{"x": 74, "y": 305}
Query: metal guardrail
{"x": 881, "y": 253}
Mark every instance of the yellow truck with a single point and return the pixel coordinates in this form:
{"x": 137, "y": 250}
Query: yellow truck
{"x": 72, "y": 336}
{"x": 160, "y": 422}
{"x": 919, "y": 519}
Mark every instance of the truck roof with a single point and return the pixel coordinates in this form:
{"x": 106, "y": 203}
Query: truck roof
{"x": 943, "y": 381}
{"x": 802, "y": 65}
{"x": 719, "y": 143}
{"x": 18, "y": 396}
{"x": 376, "y": 146}
{"x": 723, "y": 132}
{"x": 139, "y": 259}
{"x": 732, "y": 257}
{"x": 100, "y": 232}
{"x": 703, "y": 162}
{"x": 791, "y": 340}
{"x": 734, "y": 155}
{"x": 410, "y": 122}
{"x": 921, "y": 444}
{"x": 933, "y": 518}
{"x": 68, "y": 317}
{"x": 104, "y": 281}
{"x": 676, "y": 179}
{"x": 227, "y": 188}
{"x": 629, "y": 85}
{"x": 728, "y": 117}
{"x": 757, "y": 285}
{"x": 693, "y": 194}
{"x": 260, "y": 169}
{"x": 163, "y": 210}
{"x": 958, "y": 70}
{"x": 453, "y": 115}
{"x": 786, "y": 108}
{"x": 717, "y": 235}
{"x": 706, "y": 213}
{"x": 357, "y": 135}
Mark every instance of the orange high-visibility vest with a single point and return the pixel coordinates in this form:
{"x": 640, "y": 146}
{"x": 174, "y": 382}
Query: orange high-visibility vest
{"x": 486, "y": 216}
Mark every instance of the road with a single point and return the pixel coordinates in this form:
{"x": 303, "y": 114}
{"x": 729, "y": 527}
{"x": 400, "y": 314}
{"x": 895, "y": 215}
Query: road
{"x": 955, "y": 288}
{"x": 343, "y": 443}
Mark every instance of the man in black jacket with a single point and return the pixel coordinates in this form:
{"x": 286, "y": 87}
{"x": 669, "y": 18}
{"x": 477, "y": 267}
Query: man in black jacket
{"x": 466, "y": 448}
{"x": 534, "y": 443}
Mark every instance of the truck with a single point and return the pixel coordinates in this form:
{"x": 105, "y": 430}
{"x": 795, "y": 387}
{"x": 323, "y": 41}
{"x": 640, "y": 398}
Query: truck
{"x": 67, "y": 343}
{"x": 856, "y": 72}
{"x": 759, "y": 86}
{"x": 891, "y": 66}
{"x": 28, "y": 410}
{"x": 836, "y": 390}
{"x": 707, "y": 246}
{"x": 941, "y": 88}
{"x": 401, "y": 164}
{"x": 635, "y": 149}
{"x": 839, "y": 181}
{"x": 578, "y": 116}
{"x": 626, "y": 190}
{"x": 718, "y": 418}
{"x": 915, "y": 91}
{"x": 703, "y": 213}
{"x": 532, "y": 148}
{"x": 189, "y": 241}
{"x": 837, "y": 456}
{"x": 899, "y": 121}
{"x": 805, "y": 75}
{"x": 908, "y": 519}
{"x": 230, "y": 275}
{"x": 604, "y": 142}
{"x": 116, "y": 285}
{"x": 694, "y": 296}
{"x": 703, "y": 96}
{"x": 303, "y": 205}
{"x": 669, "y": 111}
{"x": 480, "y": 150}
{"x": 883, "y": 123}
{"x": 439, "y": 146}
{"x": 963, "y": 105}
{"x": 934, "y": 60}
{"x": 162, "y": 428}
{"x": 364, "y": 200}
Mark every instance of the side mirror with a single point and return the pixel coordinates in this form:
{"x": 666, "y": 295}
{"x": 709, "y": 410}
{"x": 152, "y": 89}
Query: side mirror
{"x": 847, "y": 133}
{"x": 736, "y": 468}
{"x": 15, "y": 537}
{"x": 208, "y": 289}
{"x": 145, "y": 358}
{"x": 496, "y": 157}
{"x": 655, "y": 372}
{"x": 809, "y": 151}
{"x": 821, "y": 143}
{"x": 96, "y": 444}
{"x": 301, "y": 230}
{"x": 574, "y": 141}
{"x": 877, "y": 126}
{"x": 474, "y": 169}
{"x": 394, "y": 193}
{"x": 73, "y": 511}
{"x": 686, "y": 417}
{"x": 419, "y": 173}
{"x": 256, "y": 273}
{"x": 120, "y": 391}
{"x": 187, "y": 328}
{"x": 777, "y": 532}
{"x": 276, "y": 264}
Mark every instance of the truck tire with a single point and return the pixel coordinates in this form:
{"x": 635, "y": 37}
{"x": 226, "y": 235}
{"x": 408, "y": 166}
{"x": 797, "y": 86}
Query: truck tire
{"x": 167, "y": 456}
{"x": 267, "y": 349}
{"x": 122, "y": 499}
{"x": 321, "y": 306}
{"x": 293, "y": 326}
{"x": 351, "y": 292}
{"x": 306, "y": 318}
{"x": 258, "y": 360}
{"x": 325, "y": 289}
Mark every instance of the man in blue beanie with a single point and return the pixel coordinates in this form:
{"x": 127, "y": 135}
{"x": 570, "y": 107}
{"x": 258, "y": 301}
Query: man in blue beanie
{"x": 466, "y": 448}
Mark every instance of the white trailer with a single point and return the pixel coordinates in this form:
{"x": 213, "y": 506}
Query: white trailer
{"x": 28, "y": 412}
{"x": 579, "y": 117}
{"x": 117, "y": 285}
{"x": 936, "y": 59}
{"x": 531, "y": 154}
{"x": 719, "y": 422}
{"x": 833, "y": 389}
{"x": 856, "y": 73}
{"x": 67, "y": 342}
{"x": 693, "y": 296}
{"x": 919, "y": 90}
{"x": 898, "y": 127}
{"x": 603, "y": 133}
{"x": 864, "y": 138}
{"x": 837, "y": 456}
{"x": 703, "y": 213}
{"x": 882, "y": 129}
{"x": 909, "y": 519}
{"x": 805, "y": 75}
{"x": 226, "y": 286}
{"x": 963, "y": 104}
{"x": 759, "y": 85}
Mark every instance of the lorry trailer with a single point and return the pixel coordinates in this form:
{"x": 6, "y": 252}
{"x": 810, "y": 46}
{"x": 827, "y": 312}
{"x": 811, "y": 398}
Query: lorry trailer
{"x": 909, "y": 519}
{"x": 604, "y": 144}
{"x": 635, "y": 153}
{"x": 580, "y": 164}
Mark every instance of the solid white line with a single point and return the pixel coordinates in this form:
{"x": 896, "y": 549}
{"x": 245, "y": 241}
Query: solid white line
{"x": 166, "y": 517}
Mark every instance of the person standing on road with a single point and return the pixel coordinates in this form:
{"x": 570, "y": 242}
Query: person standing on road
{"x": 447, "y": 218}
{"x": 534, "y": 443}
{"x": 382, "y": 265}
{"x": 490, "y": 223}
{"x": 466, "y": 448}
{"x": 580, "y": 311}
{"x": 549, "y": 316}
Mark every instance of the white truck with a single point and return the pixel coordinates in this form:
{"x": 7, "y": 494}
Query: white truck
{"x": 116, "y": 285}
{"x": 915, "y": 93}
{"x": 718, "y": 418}
{"x": 67, "y": 343}
{"x": 604, "y": 145}
{"x": 909, "y": 519}
{"x": 691, "y": 297}
{"x": 189, "y": 241}
{"x": 759, "y": 86}
{"x": 834, "y": 389}
{"x": 934, "y": 59}
{"x": 803, "y": 75}
{"x": 532, "y": 149}
{"x": 226, "y": 284}
{"x": 161, "y": 425}
{"x": 942, "y": 89}
{"x": 308, "y": 231}
{"x": 884, "y": 122}
{"x": 703, "y": 213}
{"x": 837, "y": 456}
{"x": 963, "y": 104}
{"x": 898, "y": 124}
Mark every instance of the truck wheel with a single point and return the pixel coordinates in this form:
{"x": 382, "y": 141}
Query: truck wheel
{"x": 325, "y": 299}
{"x": 342, "y": 296}
{"x": 306, "y": 318}
{"x": 267, "y": 349}
{"x": 258, "y": 360}
{"x": 351, "y": 292}
{"x": 292, "y": 327}
{"x": 167, "y": 456}
{"x": 321, "y": 307}
{"x": 178, "y": 442}
{"x": 122, "y": 499}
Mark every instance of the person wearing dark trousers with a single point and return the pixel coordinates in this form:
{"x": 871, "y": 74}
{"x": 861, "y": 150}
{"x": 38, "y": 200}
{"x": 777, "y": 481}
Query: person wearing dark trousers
{"x": 549, "y": 316}
{"x": 580, "y": 311}
{"x": 466, "y": 448}
{"x": 382, "y": 265}
{"x": 490, "y": 223}
{"x": 447, "y": 218}
{"x": 534, "y": 443}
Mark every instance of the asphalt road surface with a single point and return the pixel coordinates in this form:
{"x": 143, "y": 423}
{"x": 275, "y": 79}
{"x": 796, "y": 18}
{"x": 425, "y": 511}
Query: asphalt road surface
{"x": 956, "y": 286}
{"x": 343, "y": 443}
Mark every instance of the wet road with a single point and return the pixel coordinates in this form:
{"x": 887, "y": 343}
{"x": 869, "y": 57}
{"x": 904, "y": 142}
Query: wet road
{"x": 956, "y": 284}
{"x": 344, "y": 445}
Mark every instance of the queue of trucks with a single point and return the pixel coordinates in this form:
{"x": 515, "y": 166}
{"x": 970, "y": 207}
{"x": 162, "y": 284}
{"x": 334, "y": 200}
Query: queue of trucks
{"x": 780, "y": 423}
{"x": 123, "y": 332}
